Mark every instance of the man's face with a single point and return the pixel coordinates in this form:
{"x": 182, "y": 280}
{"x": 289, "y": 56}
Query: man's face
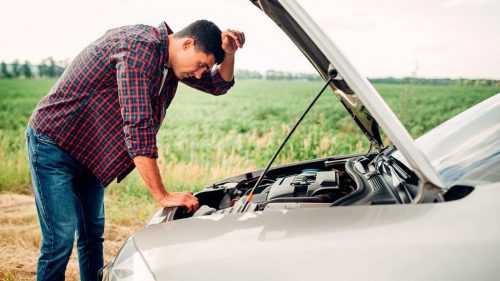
{"x": 191, "y": 62}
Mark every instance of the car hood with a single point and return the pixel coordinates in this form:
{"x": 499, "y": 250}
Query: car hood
{"x": 352, "y": 243}
{"x": 354, "y": 91}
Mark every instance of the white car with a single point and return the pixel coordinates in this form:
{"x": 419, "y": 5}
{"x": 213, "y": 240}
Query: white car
{"x": 417, "y": 210}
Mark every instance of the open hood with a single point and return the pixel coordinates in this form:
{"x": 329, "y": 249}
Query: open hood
{"x": 354, "y": 91}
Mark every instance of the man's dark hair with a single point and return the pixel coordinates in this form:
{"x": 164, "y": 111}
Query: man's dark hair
{"x": 207, "y": 38}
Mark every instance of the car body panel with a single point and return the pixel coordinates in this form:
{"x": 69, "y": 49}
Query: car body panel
{"x": 466, "y": 149}
{"x": 353, "y": 89}
{"x": 412, "y": 242}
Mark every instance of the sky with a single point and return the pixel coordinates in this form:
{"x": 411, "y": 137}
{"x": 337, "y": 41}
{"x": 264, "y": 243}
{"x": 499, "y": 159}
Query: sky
{"x": 426, "y": 38}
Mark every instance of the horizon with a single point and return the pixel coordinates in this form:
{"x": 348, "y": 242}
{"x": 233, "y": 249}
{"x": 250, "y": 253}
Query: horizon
{"x": 35, "y": 67}
{"x": 452, "y": 38}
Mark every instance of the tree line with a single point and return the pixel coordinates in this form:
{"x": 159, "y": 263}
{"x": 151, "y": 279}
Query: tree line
{"x": 275, "y": 75}
{"x": 437, "y": 81}
{"x": 284, "y": 75}
{"x": 48, "y": 68}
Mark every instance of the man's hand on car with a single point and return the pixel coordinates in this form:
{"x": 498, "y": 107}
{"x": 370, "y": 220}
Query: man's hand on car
{"x": 150, "y": 173}
{"x": 185, "y": 199}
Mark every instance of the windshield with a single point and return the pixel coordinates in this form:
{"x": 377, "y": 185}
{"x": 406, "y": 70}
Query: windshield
{"x": 465, "y": 150}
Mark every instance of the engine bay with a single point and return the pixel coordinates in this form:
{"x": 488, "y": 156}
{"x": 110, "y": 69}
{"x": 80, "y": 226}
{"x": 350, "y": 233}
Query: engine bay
{"x": 353, "y": 180}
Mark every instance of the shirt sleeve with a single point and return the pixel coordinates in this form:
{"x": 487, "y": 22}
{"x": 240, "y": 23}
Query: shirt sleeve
{"x": 210, "y": 82}
{"x": 135, "y": 105}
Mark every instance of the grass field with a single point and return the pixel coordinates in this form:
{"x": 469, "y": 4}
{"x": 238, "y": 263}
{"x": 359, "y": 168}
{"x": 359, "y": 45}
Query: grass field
{"x": 206, "y": 138}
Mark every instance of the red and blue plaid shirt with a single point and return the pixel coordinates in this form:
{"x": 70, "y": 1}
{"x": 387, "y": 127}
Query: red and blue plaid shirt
{"x": 107, "y": 107}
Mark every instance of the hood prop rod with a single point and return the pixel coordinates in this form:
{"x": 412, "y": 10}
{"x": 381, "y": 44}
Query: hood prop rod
{"x": 331, "y": 73}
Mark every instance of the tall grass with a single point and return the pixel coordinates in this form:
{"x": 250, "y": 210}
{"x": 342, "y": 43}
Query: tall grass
{"x": 14, "y": 169}
{"x": 206, "y": 138}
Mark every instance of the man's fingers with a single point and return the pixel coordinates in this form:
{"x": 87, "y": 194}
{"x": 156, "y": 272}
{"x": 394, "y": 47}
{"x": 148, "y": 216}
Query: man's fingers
{"x": 235, "y": 38}
{"x": 238, "y": 36}
{"x": 192, "y": 207}
{"x": 238, "y": 39}
{"x": 196, "y": 204}
{"x": 195, "y": 207}
{"x": 242, "y": 37}
{"x": 191, "y": 202}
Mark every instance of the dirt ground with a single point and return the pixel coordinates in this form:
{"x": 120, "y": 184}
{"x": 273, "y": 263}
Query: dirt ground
{"x": 20, "y": 239}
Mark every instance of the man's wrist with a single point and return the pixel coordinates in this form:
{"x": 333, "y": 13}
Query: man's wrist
{"x": 229, "y": 55}
{"x": 161, "y": 195}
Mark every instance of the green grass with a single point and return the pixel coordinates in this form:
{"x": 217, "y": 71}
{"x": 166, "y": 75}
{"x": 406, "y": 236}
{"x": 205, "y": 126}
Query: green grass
{"x": 206, "y": 138}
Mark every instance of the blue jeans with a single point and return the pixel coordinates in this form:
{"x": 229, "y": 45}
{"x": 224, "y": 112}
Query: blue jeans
{"x": 69, "y": 200}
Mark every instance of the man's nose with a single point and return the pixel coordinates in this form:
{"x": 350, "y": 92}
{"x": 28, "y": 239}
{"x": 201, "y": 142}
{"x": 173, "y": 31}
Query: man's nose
{"x": 198, "y": 74}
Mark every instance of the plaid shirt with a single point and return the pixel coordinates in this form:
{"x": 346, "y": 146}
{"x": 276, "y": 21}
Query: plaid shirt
{"x": 107, "y": 107}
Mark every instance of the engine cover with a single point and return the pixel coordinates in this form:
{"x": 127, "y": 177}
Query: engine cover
{"x": 309, "y": 183}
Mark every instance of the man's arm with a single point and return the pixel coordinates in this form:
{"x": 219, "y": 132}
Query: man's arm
{"x": 220, "y": 79}
{"x": 138, "y": 127}
{"x": 150, "y": 173}
{"x": 232, "y": 40}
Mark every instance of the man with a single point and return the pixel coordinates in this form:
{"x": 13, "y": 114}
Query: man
{"x": 100, "y": 120}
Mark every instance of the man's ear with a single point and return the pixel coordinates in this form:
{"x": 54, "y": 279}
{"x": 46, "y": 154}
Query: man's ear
{"x": 188, "y": 42}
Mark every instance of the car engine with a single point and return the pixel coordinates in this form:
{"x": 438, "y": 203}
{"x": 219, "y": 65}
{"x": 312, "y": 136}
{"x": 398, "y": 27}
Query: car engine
{"x": 344, "y": 181}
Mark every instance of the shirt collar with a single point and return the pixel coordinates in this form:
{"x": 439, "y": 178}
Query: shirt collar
{"x": 165, "y": 30}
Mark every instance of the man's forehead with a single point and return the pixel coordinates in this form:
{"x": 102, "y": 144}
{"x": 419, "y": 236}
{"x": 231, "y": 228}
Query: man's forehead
{"x": 208, "y": 59}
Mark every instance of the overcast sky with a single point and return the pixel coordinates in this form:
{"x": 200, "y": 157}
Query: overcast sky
{"x": 435, "y": 38}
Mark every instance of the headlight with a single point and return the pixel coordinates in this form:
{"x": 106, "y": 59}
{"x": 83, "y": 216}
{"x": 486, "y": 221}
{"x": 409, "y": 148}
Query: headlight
{"x": 129, "y": 265}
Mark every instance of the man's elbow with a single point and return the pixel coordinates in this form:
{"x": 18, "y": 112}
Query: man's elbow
{"x": 222, "y": 89}
{"x": 219, "y": 91}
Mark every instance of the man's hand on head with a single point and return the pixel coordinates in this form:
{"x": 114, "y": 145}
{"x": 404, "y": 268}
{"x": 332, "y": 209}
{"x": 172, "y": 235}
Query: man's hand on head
{"x": 232, "y": 40}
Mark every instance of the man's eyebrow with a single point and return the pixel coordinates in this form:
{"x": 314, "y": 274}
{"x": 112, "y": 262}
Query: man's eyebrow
{"x": 207, "y": 67}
